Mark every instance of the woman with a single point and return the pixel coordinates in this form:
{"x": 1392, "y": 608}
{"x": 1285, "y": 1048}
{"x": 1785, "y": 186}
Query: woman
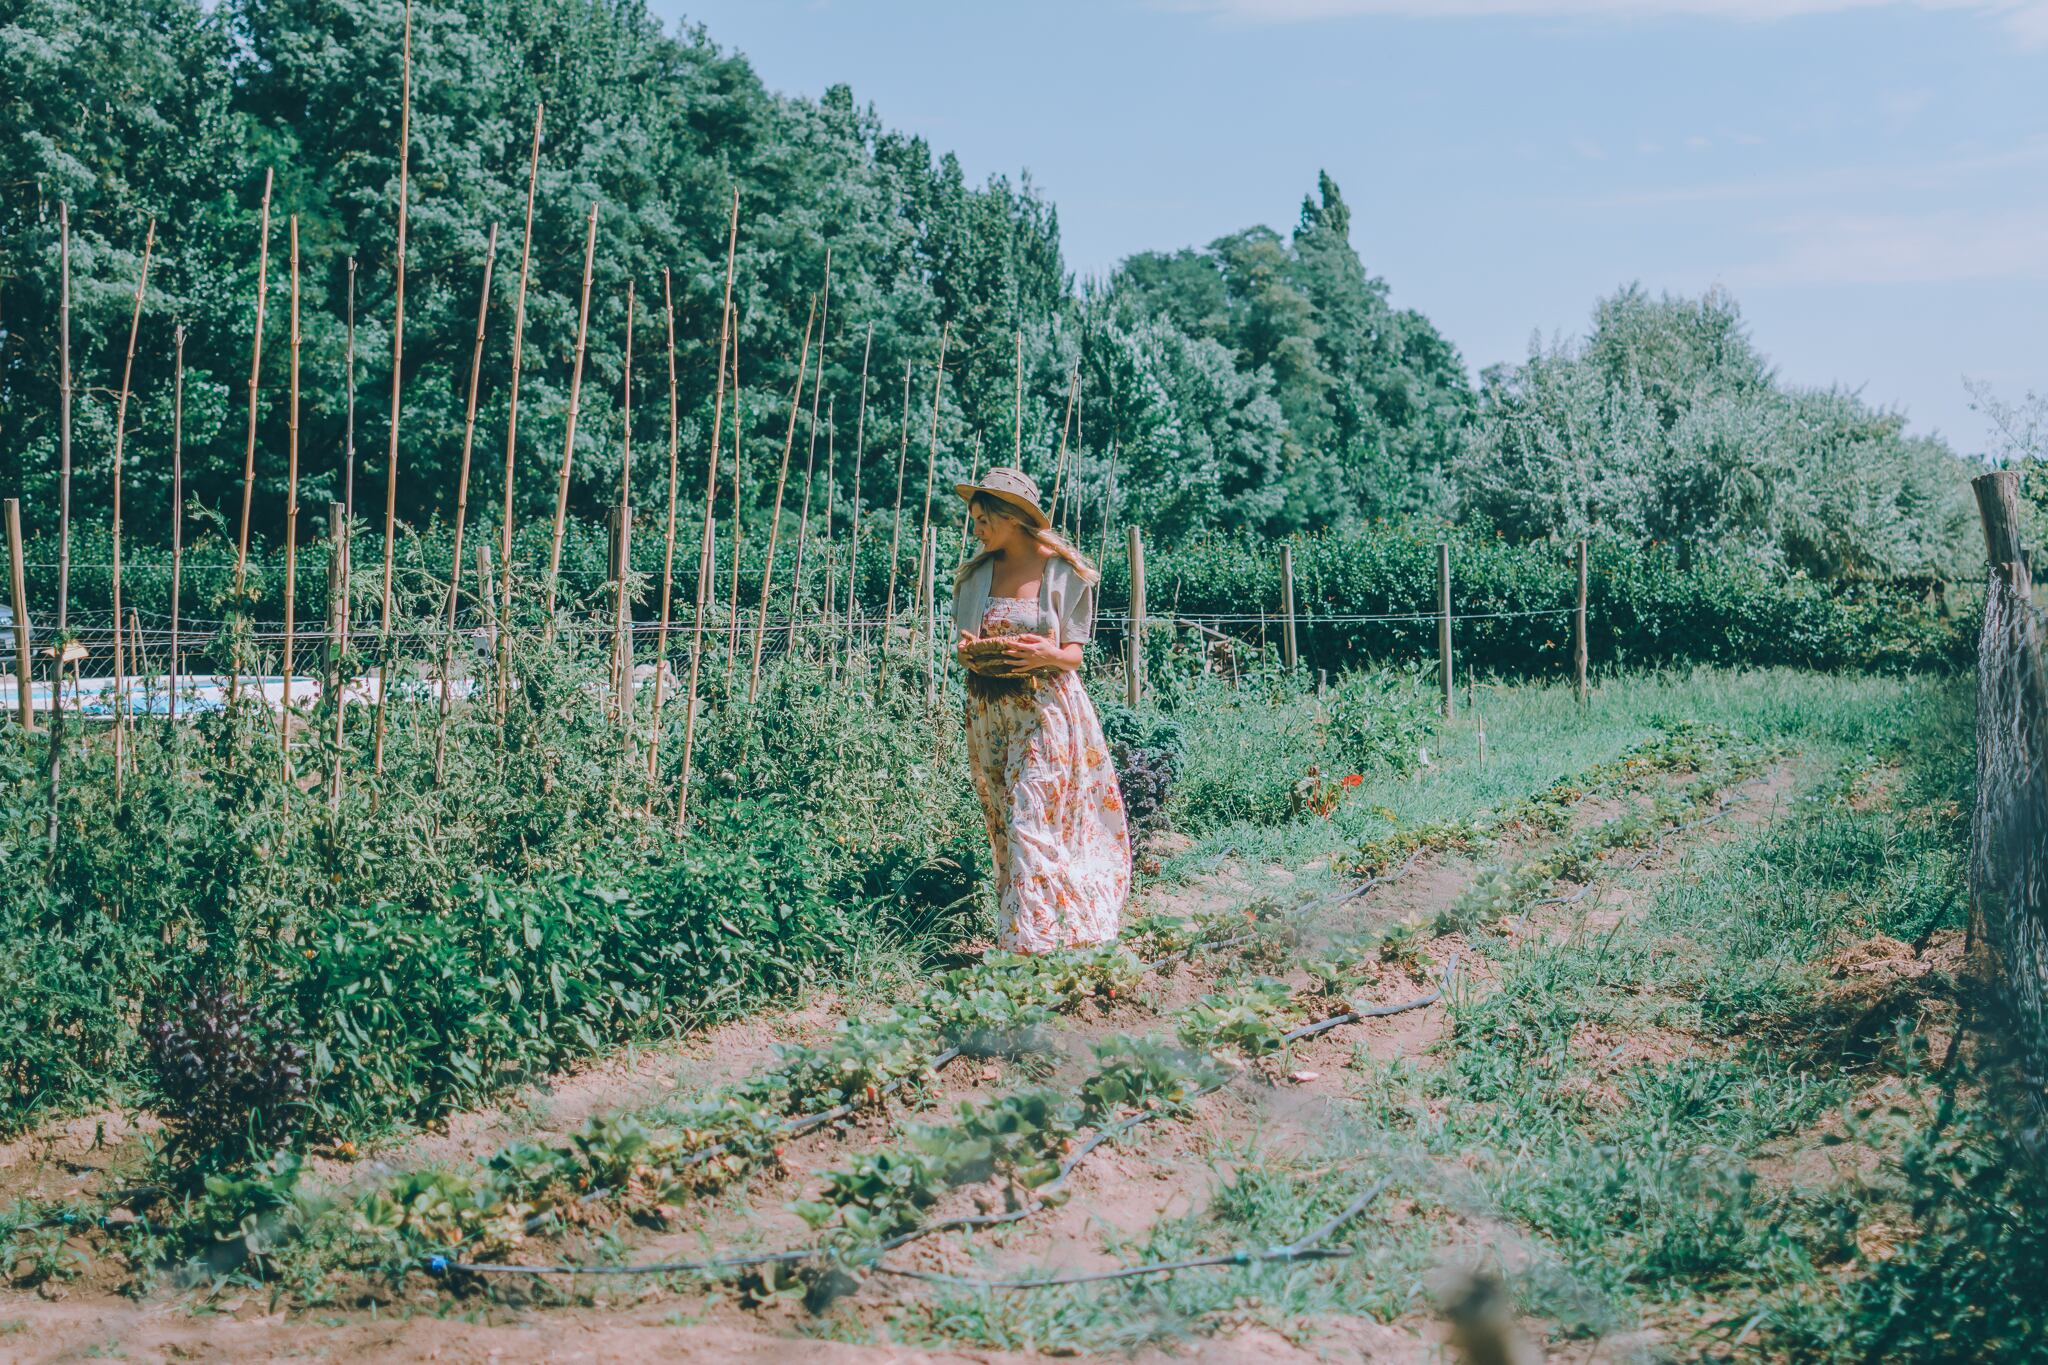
{"x": 1023, "y": 608}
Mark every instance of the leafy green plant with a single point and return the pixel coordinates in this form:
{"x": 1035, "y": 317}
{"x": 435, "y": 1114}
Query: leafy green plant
{"x": 1248, "y": 1020}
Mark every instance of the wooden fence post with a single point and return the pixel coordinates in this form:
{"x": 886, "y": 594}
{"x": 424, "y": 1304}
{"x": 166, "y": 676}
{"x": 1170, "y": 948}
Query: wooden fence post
{"x": 1443, "y": 621}
{"x": 1287, "y": 642}
{"x": 1998, "y": 504}
{"x": 18, "y": 587}
{"x": 1134, "y": 680}
{"x": 1579, "y": 630}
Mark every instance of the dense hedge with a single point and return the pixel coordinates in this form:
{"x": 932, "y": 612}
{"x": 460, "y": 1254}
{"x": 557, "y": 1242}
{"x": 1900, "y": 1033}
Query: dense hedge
{"x": 1644, "y": 609}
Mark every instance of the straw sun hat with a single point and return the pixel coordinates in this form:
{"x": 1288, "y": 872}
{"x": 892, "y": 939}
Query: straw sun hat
{"x": 1010, "y": 486}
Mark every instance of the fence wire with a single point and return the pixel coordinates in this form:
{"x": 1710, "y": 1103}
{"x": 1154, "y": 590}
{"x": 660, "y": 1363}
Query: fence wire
{"x": 2009, "y": 826}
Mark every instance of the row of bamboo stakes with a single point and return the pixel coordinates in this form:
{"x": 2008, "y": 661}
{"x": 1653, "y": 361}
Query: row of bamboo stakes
{"x": 500, "y": 603}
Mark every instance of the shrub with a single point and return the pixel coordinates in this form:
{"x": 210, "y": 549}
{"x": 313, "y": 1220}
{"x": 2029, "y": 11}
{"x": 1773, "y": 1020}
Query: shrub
{"x": 1645, "y": 609}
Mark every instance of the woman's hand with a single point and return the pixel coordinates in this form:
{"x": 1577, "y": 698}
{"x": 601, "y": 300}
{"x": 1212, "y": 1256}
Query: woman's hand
{"x": 1038, "y": 654}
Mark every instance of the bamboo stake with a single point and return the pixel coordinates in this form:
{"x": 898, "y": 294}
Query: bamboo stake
{"x": 860, "y": 431}
{"x": 622, "y": 640}
{"x": 896, "y": 520}
{"x": 707, "y": 561}
{"x": 249, "y": 449}
{"x": 803, "y": 525}
{"x": 348, "y": 455}
{"x": 476, "y": 365}
{"x": 17, "y": 584}
{"x": 569, "y": 436}
{"x": 1134, "y": 677}
{"x": 63, "y": 445}
{"x": 739, "y": 422}
{"x": 931, "y": 615}
{"x": 177, "y": 501}
{"x": 120, "y": 438}
{"x": 1059, "y": 461}
{"x": 512, "y": 424}
{"x": 1108, "y": 495}
{"x": 967, "y": 517}
{"x": 831, "y": 482}
{"x": 291, "y": 520}
{"x": 63, "y": 524}
{"x": 1074, "y": 503}
{"x": 931, "y": 457}
{"x": 335, "y": 684}
{"x": 135, "y": 663}
{"x": 796, "y": 402}
{"x": 397, "y": 392}
{"x": 668, "y": 552}
{"x": 342, "y": 530}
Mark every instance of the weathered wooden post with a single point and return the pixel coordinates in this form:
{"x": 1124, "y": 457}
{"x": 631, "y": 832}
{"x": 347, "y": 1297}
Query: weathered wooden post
{"x": 1998, "y": 505}
{"x": 1287, "y": 642}
{"x": 1579, "y": 630}
{"x": 1443, "y": 621}
{"x": 18, "y": 588}
{"x": 1134, "y": 680}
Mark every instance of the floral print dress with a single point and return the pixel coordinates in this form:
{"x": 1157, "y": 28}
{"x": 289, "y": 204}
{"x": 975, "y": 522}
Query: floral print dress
{"x": 1049, "y": 792}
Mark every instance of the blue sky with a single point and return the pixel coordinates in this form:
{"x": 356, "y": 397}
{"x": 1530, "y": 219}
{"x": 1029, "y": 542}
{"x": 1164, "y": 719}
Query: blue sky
{"x": 1869, "y": 177}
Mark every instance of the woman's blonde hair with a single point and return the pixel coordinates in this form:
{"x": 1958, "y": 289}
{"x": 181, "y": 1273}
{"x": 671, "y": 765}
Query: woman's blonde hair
{"x": 1052, "y": 540}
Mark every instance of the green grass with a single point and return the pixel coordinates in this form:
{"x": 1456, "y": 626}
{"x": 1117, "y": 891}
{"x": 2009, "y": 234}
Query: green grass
{"x": 1537, "y": 733}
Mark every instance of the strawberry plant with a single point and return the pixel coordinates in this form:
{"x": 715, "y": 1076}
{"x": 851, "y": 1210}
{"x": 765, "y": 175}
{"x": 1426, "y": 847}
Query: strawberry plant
{"x": 1249, "y": 1020}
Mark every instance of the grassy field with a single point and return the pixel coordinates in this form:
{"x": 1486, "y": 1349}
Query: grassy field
{"x": 1705, "y": 1082}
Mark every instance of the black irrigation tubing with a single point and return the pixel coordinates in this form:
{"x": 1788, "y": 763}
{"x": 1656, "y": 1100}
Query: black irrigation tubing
{"x": 1309, "y": 1248}
{"x": 1423, "y": 1001}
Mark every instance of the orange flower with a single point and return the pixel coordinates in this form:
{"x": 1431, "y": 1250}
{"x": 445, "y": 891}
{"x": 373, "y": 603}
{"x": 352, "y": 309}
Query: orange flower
{"x": 1353, "y": 779}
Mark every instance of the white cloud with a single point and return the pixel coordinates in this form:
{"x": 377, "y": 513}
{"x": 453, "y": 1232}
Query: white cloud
{"x": 1948, "y": 247}
{"x": 1872, "y": 179}
{"x": 1698, "y": 143}
{"x": 2027, "y": 20}
{"x": 1588, "y": 149}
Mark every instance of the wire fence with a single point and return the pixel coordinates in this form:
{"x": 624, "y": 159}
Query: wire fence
{"x": 2009, "y": 825}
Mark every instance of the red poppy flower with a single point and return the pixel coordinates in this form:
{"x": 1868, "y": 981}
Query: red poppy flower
{"x": 1353, "y": 779}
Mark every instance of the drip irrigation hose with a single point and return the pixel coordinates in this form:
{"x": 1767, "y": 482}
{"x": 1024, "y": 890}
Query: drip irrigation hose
{"x": 1353, "y": 1016}
{"x": 1309, "y": 1248}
